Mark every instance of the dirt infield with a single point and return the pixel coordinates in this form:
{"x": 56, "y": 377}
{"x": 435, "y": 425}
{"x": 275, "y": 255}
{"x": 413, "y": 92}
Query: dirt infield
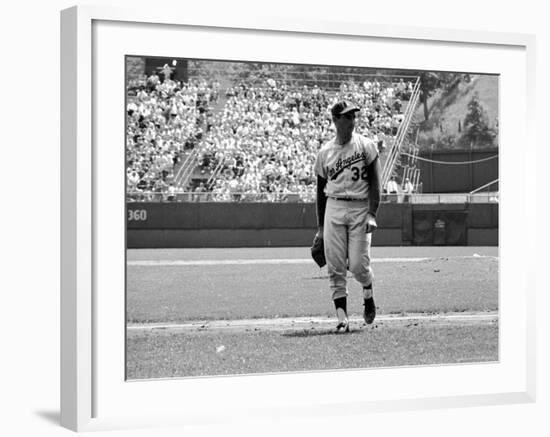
{"x": 309, "y": 323}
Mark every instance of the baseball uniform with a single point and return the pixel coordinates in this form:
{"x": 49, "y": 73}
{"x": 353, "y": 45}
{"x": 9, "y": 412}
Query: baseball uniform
{"x": 346, "y": 241}
{"x": 348, "y": 195}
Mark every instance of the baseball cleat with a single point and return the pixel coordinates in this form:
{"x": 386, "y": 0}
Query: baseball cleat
{"x": 342, "y": 326}
{"x": 343, "y": 322}
{"x": 369, "y": 312}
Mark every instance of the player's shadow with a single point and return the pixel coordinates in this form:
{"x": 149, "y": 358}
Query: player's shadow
{"x": 317, "y": 332}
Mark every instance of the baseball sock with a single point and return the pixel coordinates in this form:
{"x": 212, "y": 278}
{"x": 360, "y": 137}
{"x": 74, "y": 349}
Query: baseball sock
{"x": 341, "y": 302}
{"x": 367, "y": 291}
{"x": 341, "y": 312}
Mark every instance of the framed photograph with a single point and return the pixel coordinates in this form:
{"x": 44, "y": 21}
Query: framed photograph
{"x": 190, "y": 170}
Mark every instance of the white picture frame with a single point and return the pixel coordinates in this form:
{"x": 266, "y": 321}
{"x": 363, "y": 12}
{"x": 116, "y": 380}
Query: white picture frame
{"x": 84, "y": 317}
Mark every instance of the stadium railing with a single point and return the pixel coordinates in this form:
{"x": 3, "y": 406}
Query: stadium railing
{"x": 417, "y": 198}
{"x": 393, "y": 154}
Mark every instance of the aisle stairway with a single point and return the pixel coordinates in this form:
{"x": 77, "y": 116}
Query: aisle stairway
{"x": 394, "y": 165}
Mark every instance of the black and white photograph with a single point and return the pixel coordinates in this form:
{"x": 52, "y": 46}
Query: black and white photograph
{"x": 295, "y": 218}
{"x": 305, "y": 218}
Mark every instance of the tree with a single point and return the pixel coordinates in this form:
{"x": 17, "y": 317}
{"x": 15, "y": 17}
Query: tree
{"x": 476, "y": 125}
{"x": 429, "y": 82}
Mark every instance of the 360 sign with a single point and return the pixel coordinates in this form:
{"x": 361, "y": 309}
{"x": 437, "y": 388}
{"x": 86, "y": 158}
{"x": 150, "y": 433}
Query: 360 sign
{"x": 137, "y": 215}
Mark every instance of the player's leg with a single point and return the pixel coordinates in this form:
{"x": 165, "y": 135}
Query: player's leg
{"x": 359, "y": 243}
{"x": 335, "y": 236}
{"x": 359, "y": 259}
{"x": 336, "y": 248}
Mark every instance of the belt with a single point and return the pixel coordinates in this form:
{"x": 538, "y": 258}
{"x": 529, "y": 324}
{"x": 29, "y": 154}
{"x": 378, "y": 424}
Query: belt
{"x": 347, "y": 198}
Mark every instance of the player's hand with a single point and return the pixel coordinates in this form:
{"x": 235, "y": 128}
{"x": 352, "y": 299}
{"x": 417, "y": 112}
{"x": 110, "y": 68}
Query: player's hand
{"x": 319, "y": 233}
{"x": 371, "y": 223}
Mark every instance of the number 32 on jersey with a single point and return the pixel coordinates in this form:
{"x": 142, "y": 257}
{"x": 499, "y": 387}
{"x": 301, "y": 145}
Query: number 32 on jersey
{"x": 359, "y": 173}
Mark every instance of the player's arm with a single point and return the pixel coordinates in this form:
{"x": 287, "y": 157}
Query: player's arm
{"x": 321, "y": 204}
{"x": 373, "y": 175}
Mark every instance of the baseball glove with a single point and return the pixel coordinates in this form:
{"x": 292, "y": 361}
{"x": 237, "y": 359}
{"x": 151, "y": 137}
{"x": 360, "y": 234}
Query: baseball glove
{"x": 318, "y": 251}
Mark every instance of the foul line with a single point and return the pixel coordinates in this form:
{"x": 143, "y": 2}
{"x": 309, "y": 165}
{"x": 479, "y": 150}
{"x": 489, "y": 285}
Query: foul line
{"x": 309, "y": 322}
{"x": 220, "y": 262}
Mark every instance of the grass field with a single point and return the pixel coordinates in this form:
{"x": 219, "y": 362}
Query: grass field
{"x": 202, "y": 312}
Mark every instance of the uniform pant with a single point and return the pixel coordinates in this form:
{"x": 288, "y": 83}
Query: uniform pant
{"x": 347, "y": 245}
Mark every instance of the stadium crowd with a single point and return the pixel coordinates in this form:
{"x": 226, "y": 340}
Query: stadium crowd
{"x": 261, "y": 145}
{"x": 163, "y": 120}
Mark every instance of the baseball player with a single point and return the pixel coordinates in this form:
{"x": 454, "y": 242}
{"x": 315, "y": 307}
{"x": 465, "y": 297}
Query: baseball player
{"x": 348, "y": 195}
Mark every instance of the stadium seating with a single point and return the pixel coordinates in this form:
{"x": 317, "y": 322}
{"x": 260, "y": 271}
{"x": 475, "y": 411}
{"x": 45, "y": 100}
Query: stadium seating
{"x": 255, "y": 143}
{"x": 163, "y": 120}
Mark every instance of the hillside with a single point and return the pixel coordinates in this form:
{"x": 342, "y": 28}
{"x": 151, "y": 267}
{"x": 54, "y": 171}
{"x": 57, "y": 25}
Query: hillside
{"x": 447, "y": 111}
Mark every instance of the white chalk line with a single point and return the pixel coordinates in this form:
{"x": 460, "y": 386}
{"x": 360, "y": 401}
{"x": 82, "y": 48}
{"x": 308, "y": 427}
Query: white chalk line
{"x": 222, "y": 262}
{"x": 285, "y": 323}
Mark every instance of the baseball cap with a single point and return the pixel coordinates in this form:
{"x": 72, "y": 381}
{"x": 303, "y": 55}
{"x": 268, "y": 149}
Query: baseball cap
{"x": 343, "y": 107}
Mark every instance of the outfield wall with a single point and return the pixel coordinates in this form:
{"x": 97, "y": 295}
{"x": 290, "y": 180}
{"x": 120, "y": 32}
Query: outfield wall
{"x": 188, "y": 225}
{"x": 480, "y": 167}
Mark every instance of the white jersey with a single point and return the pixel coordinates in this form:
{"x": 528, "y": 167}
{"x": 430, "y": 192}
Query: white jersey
{"x": 345, "y": 167}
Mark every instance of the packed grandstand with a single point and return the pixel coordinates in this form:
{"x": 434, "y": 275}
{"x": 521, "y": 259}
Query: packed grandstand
{"x": 246, "y": 141}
